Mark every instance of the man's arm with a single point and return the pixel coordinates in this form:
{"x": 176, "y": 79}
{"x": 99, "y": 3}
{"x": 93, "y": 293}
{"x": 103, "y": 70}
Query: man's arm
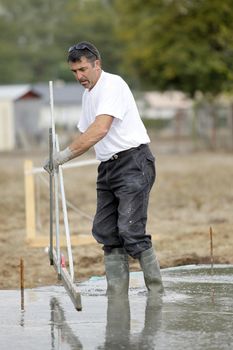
{"x": 94, "y": 133}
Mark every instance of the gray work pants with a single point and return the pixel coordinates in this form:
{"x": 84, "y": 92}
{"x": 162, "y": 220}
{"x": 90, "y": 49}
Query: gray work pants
{"x": 123, "y": 187}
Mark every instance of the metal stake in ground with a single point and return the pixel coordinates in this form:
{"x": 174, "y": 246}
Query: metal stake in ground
{"x": 212, "y": 263}
{"x": 211, "y": 251}
{"x": 22, "y": 282}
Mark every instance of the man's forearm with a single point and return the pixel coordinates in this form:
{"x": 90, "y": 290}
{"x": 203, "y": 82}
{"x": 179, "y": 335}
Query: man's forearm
{"x": 91, "y": 136}
{"x": 83, "y": 143}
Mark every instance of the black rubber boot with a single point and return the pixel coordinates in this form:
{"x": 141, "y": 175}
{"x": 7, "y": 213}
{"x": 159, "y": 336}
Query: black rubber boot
{"x": 151, "y": 271}
{"x": 117, "y": 272}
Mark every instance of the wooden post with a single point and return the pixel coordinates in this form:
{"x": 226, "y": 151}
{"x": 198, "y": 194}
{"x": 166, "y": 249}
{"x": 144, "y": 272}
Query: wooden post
{"x": 29, "y": 200}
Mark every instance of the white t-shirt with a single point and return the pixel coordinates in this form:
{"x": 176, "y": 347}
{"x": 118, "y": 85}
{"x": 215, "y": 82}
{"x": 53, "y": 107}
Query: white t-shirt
{"x": 112, "y": 96}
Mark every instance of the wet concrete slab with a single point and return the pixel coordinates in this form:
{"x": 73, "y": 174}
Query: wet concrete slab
{"x": 196, "y": 313}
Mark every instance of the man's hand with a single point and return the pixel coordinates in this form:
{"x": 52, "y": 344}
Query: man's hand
{"x": 59, "y": 158}
{"x": 47, "y": 167}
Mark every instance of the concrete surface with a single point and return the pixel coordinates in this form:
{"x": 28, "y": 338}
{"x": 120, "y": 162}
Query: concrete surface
{"x": 197, "y": 313}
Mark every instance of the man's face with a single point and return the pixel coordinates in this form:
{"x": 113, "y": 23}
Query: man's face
{"x": 86, "y": 72}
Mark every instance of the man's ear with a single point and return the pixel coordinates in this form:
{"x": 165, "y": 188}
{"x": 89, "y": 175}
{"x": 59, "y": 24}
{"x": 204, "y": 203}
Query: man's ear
{"x": 97, "y": 64}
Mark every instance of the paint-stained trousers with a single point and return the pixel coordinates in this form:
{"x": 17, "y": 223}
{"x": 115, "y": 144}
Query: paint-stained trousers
{"x": 123, "y": 186}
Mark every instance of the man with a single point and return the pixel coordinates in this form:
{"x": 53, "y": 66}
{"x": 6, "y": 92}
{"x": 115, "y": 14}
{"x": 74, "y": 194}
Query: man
{"x": 111, "y": 123}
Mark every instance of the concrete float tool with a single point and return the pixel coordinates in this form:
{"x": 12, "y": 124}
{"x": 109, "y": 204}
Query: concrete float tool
{"x": 55, "y": 256}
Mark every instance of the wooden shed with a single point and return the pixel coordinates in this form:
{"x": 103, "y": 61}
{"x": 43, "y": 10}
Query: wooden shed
{"x": 19, "y": 115}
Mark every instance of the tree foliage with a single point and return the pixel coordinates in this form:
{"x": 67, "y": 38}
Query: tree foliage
{"x": 182, "y": 44}
{"x": 28, "y": 39}
{"x": 35, "y": 36}
{"x": 158, "y": 44}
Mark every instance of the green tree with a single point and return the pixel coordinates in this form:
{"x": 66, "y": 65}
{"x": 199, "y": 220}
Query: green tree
{"x": 35, "y": 36}
{"x": 28, "y": 39}
{"x": 178, "y": 44}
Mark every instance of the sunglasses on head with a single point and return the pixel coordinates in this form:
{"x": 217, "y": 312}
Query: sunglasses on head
{"x": 81, "y": 47}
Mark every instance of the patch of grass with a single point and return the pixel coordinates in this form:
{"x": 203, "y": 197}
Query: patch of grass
{"x": 156, "y": 123}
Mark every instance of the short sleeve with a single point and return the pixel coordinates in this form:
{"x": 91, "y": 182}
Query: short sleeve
{"x": 112, "y": 100}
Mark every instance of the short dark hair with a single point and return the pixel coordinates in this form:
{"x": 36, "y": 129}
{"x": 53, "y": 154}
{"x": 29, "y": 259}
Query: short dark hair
{"x": 84, "y": 48}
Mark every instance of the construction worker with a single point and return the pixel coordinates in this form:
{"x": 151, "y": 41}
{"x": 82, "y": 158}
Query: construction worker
{"x": 111, "y": 123}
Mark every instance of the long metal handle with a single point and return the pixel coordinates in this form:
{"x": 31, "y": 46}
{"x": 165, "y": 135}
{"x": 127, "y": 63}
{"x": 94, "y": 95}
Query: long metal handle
{"x": 55, "y": 175}
{"x": 55, "y": 256}
{"x": 57, "y": 221}
{"x": 65, "y": 217}
{"x": 51, "y": 197}
{"x": 51, "y": 177}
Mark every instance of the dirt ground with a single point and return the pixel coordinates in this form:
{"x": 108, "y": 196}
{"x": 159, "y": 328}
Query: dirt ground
{"x": 193, "y": 192}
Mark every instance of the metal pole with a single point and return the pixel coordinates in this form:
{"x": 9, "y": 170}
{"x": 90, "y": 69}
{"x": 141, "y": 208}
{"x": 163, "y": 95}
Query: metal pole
{"x": 51, "y": 196}
{"x": 52, "y": 112}
{"x": 62, "y": 272}
{"x": 65, "y": 216}
{"x": 22, "y": 282}
{"x": 211, "y": 251}
{"x": 57, "y": 221}
{"x": 56, "y": 188}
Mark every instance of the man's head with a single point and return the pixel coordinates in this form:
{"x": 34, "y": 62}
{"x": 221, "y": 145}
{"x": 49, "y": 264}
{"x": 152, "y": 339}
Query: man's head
{"x": 85, "y": 62}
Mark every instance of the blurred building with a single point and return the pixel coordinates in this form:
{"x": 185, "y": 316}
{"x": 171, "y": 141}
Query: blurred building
{"x": 25, "y": 115}
{"x": 19, "y": 115}
{"x": 164, "y": 105}
{"x": 67, "y": 104}
{"x": 25, "y": 112}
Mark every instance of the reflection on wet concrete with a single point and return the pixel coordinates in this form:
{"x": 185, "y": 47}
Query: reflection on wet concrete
{"x": 118, "y": 334}
{"x": 118, "y": 324}
{"x": 196, "y": 314}
{"x": 22, "y": 318}
{"x": 64, "y": 332}
{"x": 152, "y": 324}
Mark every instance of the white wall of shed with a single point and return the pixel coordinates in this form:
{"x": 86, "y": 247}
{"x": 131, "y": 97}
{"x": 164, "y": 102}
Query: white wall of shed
{"x": 7, "y": 127}
{"x": 65, "y": 116}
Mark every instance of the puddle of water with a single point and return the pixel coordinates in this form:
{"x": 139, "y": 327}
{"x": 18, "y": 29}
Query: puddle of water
{"x": 196, "y": 314}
